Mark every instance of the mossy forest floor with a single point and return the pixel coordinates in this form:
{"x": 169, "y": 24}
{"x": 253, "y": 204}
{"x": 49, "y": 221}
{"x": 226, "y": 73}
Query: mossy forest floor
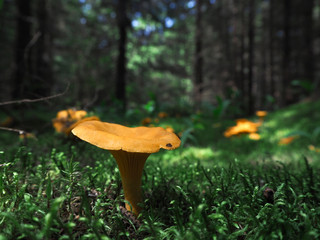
{"x": 212, "y": 187}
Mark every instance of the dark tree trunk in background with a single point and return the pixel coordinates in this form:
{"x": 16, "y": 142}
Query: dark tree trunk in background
{"x": 250, "y": 106}
{"x": 226, "y": 30}
{"x": 198, "y": 74}
{"x": 242, "y": 59}
{"x": 271, "y": 47}
{"x": 23, "y": 37}
{"x": 237, "y": 47}
{"x": 308, "y": 40}
{"x": 43, "y": 79}
{"x": 262, "y": 74}
{"x": 235, "y": 40}
{"x": 285, "y": 83}
{"x": 122, "y": 22}
{"x": 316, "y": 78}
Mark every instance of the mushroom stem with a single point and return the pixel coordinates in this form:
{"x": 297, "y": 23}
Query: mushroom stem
{"x": 131, "y": 167}
{"x": 261, "y": 120}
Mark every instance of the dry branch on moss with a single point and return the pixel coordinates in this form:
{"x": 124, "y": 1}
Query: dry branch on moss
{"x": 37, "y": 99}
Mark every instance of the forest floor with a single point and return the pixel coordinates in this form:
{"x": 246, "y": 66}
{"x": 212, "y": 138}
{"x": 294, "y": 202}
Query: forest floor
{"x": 211, "y": 187}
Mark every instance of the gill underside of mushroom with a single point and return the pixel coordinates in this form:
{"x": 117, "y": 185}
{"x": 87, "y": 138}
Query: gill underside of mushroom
{"x": 131, "y": 167}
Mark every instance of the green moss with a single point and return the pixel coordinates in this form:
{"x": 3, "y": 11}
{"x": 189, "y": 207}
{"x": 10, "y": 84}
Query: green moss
{"x": 212, "y": 187}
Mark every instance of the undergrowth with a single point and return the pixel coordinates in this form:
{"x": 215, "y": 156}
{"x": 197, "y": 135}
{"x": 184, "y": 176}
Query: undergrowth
{"x": 55, "y": 187}
{"x": 53, "y": 197}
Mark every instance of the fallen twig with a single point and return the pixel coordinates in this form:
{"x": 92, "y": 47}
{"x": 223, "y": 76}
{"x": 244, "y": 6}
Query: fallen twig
{"x": 22, "y": 133}
{"x": 37, "y": 99}
{"x": 13, "y": 130}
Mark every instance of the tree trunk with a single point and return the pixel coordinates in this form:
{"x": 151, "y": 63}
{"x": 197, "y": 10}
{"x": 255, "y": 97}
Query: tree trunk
{"x": 43, "y": 79}
{"x": 308, "y": 40}
{"x": 235, "y": 42}
{"x": 285, "y": 83}
{"x": 242, "y": 79}
{"x": 250, "y": 106}
{"x": 228, "y": 63}
{"x": 198, "y": 73}
{"x": 122, "y": 22}
{"x": 23, "y": 37}
{"x": 262, "y": 78}
{"x": 271, "y": 47}
{"x": 316, "y": 80}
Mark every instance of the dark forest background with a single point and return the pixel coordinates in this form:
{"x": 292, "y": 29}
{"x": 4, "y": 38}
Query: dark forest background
{"x": 178, "y": 55}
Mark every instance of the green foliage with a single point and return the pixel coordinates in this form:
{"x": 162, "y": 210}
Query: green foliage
{"x": 306, "y": 85}
{"x": 186, "y": 202}
{"x": 222, "y": 105}
{"x": 150, "y": 106}
{"x": 210, "y": 188}
{"x": 312, "y": 137}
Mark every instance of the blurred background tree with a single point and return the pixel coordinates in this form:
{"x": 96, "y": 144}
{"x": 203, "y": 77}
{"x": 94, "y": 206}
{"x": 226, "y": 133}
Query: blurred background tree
{"x": 181, "y": 55}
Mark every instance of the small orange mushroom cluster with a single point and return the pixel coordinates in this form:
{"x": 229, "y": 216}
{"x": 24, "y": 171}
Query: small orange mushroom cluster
{"x": 130, "y": 147}
{"x": 7, "y": 122}
{"x": 152, "y": 122}
{"x": 25, "y": 135}
{"x": 313, "y": 148}
{"x": 287, "y": 140}
{"x": 66, "y": 120}
{"x": 243, "y": 126}
{"x": 148, "y": 120}
{"x": 261, "y": 115}
{"x": 169, "y": 129}
{"x": 162, "y": 115}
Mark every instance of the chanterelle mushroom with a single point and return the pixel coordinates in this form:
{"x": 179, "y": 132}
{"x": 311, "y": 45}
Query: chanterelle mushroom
{"x": 130, "y": 147}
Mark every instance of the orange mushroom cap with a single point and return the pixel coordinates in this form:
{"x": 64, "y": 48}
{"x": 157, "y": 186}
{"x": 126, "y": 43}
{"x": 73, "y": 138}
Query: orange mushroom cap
{"x": 254, "y": 136}
{"x": 243, "y": 126}
{"x": 169, "y": 129}
{"x": 113, "y": 136}
{"x": 78, "y": 115}
{"x": 63, "y": 114}
{"x": 66, "y": 118}
{"x": 59, "y": 125}
{"x": 287, "y": 140}
{"x": 261, "y": 113}
{"x": 146, "y": 121}
{"x": 68, "y": 130}
{"x": 162, "y": 114}
{"x": 71, "y": 114}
